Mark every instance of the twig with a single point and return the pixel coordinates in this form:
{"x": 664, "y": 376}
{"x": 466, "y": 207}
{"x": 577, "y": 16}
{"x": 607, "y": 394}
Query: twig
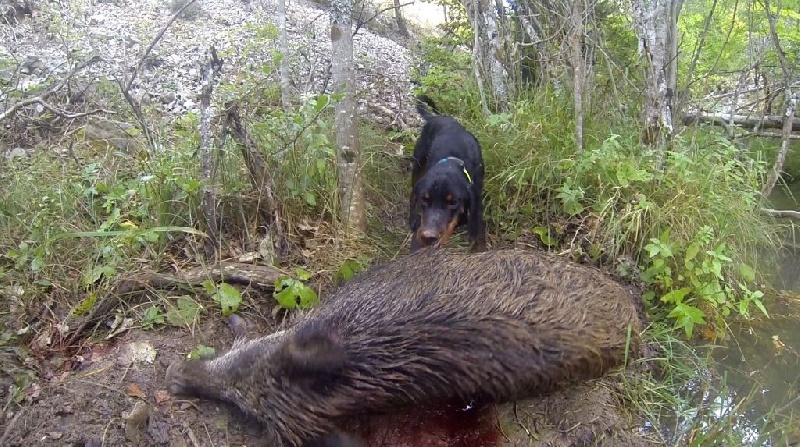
{"x": 259, "y": 173}
{"x": 36, "y": 99}
{"x": 155, "y": 41}
{"x": 125, "y": 86}
{"x": 361, "y": 23}
{"x": 7, "y": 431}
{"x": 66, "y": 115}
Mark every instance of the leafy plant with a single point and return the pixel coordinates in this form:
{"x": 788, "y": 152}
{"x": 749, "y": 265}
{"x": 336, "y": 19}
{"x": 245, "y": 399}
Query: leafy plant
{"x": 201, "y": 351}
{"x": 694, "y": 278}
{"x": 184, "y": 313}
{"x": 228, "y": 297}
{"x": 152, "y": 316}
{"x": 348, "y": 269}
{"x": 293, "y": 293}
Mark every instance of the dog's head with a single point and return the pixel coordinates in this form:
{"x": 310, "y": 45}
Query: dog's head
{"x": 443, "y": 198}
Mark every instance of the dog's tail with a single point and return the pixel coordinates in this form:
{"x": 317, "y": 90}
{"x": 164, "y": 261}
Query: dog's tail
{"x": 422, "y": 101}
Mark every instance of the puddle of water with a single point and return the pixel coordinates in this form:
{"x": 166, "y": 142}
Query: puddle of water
{"x": 759, "y": 366}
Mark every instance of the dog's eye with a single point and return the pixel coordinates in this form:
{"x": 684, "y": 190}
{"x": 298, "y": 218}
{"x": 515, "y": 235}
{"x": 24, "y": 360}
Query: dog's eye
{"x": 452, "y": 202}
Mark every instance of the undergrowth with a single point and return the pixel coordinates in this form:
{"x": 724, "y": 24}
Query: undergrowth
{"x": 692, "y": 228}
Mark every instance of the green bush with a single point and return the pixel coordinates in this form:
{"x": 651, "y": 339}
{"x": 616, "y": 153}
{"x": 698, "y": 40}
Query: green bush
{"x": 692, "y": 227}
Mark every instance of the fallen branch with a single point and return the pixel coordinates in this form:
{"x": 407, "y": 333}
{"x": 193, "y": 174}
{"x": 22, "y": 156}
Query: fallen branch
{"x": 769, "y": 135}
{"x": 248, "y": 275}
{"x": 781, "y": 213}
{"x": 724, "y": 119}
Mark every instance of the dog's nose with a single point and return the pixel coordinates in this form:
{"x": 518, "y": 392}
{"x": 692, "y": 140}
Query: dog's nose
{"x": 428, "y": 236}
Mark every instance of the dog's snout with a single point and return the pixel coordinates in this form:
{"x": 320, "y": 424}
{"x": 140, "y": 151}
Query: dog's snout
{"x": 428, "y": 236}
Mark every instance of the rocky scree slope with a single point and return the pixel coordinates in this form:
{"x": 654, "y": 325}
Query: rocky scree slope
{"x": 43, "y": 44}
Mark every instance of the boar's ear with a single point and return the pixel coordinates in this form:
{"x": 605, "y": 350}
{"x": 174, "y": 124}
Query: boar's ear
{"x": 312, "y": 350}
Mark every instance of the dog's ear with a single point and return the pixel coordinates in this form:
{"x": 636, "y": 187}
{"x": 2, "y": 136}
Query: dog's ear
{"x": 473, "y": 210}
{"x": 413, "y": 218}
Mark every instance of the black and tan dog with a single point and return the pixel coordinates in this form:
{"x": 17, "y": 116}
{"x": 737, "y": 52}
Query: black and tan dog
{"x": 446, "y": 182}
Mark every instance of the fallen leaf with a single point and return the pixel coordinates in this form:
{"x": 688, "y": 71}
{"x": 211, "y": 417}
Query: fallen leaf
{"x": 161, "y": 396}
{"x": 136, "y": 352}
{"x": 134, "y": 390}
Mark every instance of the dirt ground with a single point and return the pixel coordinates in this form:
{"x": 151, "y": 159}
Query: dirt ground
{"x": 113, "y": 394}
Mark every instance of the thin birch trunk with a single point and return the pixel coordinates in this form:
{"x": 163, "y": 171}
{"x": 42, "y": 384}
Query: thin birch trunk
{"x": 791, "y": 104}
{"x": 348, "y": 150}
{"x": 286, "y": 85}
{"x": 577, "y": 70}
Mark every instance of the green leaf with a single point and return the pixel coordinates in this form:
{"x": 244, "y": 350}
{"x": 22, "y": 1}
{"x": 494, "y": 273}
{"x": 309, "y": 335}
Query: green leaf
{"x": 308, "y": 297}
{"x": 747, "y": 272}
{"x": 573, "y": 208}
{"x": 310, "y": 198}
{"x": 37, "y": 264}
{"x": 287, "y": 297}
{"x": 85, "y": 305}
{"x": 185, "y": 312}
{"x": 200, "y": 352}
{"x": 691, "y": 252}
{"x": 760, "y": 306}
{"x": 210, "y": 287}
{"x": 321, "y": 102}
{"x": 675, "y": 296}
{"x": 348, "y": 269}
{"x": 687, "y": 317}
{"x": 228, "y": 297}
{"x": 544, "y": 236}
{"x": 302, "y": 274}
{"x": 152, "y": 316}
{"x": 93, "y": 275}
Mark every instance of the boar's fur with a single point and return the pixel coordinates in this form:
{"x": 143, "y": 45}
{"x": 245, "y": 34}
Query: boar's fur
{"x": 435, "y": 327}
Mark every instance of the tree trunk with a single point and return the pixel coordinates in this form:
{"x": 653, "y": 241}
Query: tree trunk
{"x": 286, "y": 85}
{"x": 491, "y": 54}
{"x": 401, "y": 22}
{"x": 791, "y": 103}
{"x": 654, "y": 23}
{"x": 576, "y": 42}
{"x": 348, "y": 151}
{"x": 672, "y": 55}
{"x": 211, "y": 70}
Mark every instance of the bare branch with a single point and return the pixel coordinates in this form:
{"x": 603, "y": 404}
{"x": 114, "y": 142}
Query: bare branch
{"x": 781, "y": 213}
{"x": 36, "y": 99}
{"x": 154, "y": 42}
{"x": 66, "y": 115}
{"x": 361, "y": 23}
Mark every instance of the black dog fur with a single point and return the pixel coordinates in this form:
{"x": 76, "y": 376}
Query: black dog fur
{"x": 446, "y": 182}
